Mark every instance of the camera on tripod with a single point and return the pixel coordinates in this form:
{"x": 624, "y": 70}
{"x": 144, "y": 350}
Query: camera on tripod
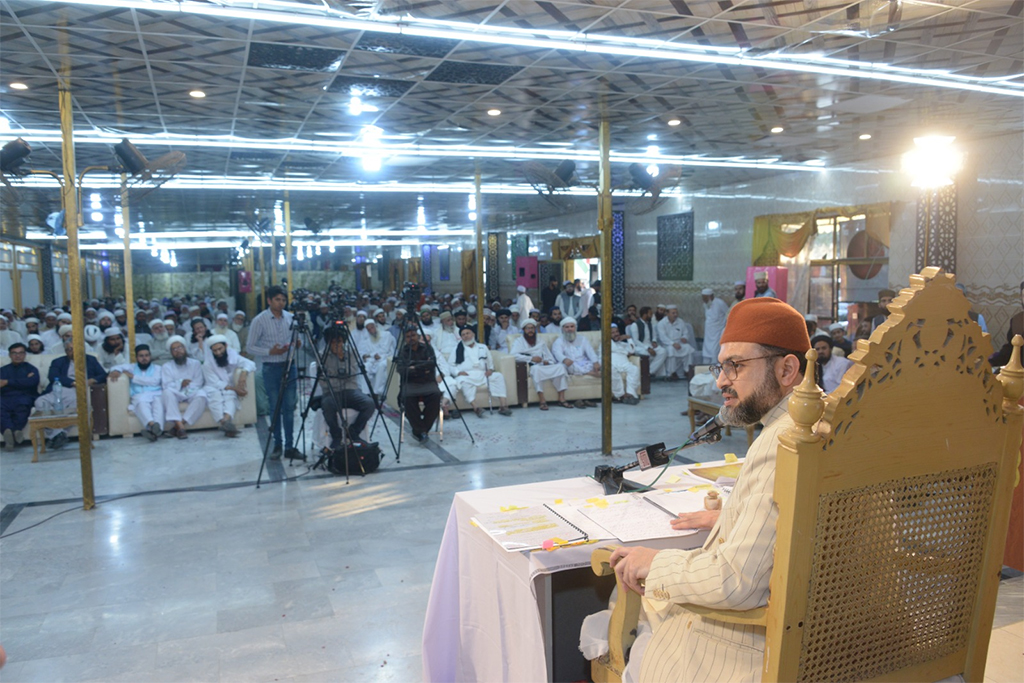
{"x": 336, "y": 328}
{"x": 411, "y": 293}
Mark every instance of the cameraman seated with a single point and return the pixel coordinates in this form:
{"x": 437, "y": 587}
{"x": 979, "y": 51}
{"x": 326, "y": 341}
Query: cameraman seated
{"x": 417, "y": 368}
{"x": 341, "y": 376}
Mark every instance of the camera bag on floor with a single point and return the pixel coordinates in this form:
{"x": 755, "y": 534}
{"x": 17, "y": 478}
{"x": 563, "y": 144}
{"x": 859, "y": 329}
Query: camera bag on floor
{"x": 363, "y": 458}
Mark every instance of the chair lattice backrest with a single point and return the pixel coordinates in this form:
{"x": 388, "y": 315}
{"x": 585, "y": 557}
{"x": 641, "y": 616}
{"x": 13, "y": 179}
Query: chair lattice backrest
{"x": 893, "y": 508}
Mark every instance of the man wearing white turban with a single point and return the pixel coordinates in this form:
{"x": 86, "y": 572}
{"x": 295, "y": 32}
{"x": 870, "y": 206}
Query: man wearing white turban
{"x": 222, "y": 326}
{"x": 226, "y": 375}
{"x": 675, "y": 335}
{"x": 182, "y": 381}
{"x": 576, "y": 354}
{"x": 472, "y": 367}
{"x": 542, "y": 365}
{"x": 158, "y": 350}
{"x": 715, "y": 313}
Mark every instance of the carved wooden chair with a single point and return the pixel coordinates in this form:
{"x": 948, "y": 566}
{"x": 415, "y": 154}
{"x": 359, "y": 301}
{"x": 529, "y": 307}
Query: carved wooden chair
{"x": 894, "y": 496}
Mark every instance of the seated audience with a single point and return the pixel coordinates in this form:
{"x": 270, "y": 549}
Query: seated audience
{"x": 644, "y": 336}
{"x": 19, "y": 388}
{"x": 111, "y": 352}
{"x": 417, "y": 370}
{"x": 542, "y": 365}
{"x": 472, "y": 367}
{"x": 182, "y": 382}
{"x": 625, "y": 375}
{"x": 145, "y": 381}
{"x": 342, "y": 392}
{"x": 675, "y": 335}
{"x": 833, "y": 367}
{"x": 60, "y": 395}
{"x": 226, "y": 375}
{"x": 577, "y": 355}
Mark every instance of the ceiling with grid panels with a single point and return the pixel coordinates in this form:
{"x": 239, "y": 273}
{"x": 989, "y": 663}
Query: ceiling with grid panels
{"x": 131, "y": 71}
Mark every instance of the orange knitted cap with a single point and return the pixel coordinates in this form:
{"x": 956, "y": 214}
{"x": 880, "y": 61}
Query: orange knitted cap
{"x": 769, "y": 322}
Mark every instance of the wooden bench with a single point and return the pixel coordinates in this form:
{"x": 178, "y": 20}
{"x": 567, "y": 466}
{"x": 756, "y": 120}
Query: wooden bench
{"x": 712, "y": 408}
{"x": 38, "y": 423}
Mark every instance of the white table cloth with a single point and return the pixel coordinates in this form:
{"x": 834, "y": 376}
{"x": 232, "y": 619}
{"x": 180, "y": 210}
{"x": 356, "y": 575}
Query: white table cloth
{"x": 486, "y": 613}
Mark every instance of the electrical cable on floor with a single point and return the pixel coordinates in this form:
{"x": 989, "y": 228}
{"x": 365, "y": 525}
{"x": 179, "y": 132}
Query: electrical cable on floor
{"x": 205, "y": 489}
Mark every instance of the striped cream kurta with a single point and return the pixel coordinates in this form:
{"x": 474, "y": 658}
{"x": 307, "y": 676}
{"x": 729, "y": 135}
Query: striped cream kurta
{"x": 731, "y": 571}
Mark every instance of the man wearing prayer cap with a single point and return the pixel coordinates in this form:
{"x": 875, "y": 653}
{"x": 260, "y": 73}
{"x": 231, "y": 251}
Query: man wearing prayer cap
{"x": 105, "y": 320}
{"x": 523, "y": 301}
{"x": 159, "y": 353}
{"x": 111, "y": 352}
{"x": 761, "y": 287}
{"x": 31, "y": 325}
{"x": 182, "y": 381}
{"x": 515, "y": 317}
{"x": 812, "y": 324}
{"x": 240, "y": 329}
{"x": 833, "y": 366}
{"x": 554, "y": 321}
{"x": 472, "y": 368}
{"x": 572, "y": 350}
{"x": 644, "y": 334}
{"x": 145, "y": 389}
{"x": 377, "y": 351}
{"x": 397, "y": 328}
{"x": 121, "y": 318}
{"x": 885, "y": 297}
{"x": 499, "y": 335}
{"x": 837, "y": 331}
{"x": 569, "y": 301}
{"x": 359, "y": 333}
{"x": 430, "y": 326}
{"x": 675, "y": 335}
{"x": 625, "y": 375}
{"x": 90, "y": 315}
{"x": 715, "y": 313}
{"x": 7, "y": 335}
{"x": 51, "y": 331}
{"x": 222, "y": 327}
{"x": 226, "y": 376}
{"x": 541, "y": 364}
{"x": 739, "y": 292}
{"x": 659, "y": 312}
{"x": 65, "y": 332}
{"x": 760, "y": 362}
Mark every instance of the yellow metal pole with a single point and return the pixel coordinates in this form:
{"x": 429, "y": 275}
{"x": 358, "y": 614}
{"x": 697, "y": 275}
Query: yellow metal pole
{"x": 288, "y": 243}
{"x": 77, "y": 314}
{"x": 129, "y": 289}
{"x": 480, "y": 298}
{"x": 604, "y": 218}
{"x": 250, "y": 311}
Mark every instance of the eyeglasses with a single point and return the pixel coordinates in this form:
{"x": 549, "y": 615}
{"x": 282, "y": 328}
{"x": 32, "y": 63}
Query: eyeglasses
{"x": 732, "y": 367}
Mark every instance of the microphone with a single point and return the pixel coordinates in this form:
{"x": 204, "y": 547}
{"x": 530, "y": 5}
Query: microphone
{"x": 710, "y": 430}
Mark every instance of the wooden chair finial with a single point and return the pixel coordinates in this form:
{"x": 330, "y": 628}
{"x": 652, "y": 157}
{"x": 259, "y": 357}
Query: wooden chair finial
{"x": 806, "y": 404}
{"x": 1012, "y": 375}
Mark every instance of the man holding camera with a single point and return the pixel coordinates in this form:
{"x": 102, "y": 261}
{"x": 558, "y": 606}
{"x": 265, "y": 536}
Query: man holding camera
{"x": 341, "y": 377}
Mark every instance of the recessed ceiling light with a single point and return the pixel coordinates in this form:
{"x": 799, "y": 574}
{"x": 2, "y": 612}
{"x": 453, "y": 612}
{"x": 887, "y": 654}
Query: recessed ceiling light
{"x": 19, "y": 86}
{"x": 494, "y": 112}
{"x": 652, "y": 136}
{"x": 865, "y": 136}
{"x": 778, "y": 129}
{"x": 198, "y": 94}
{"x": 674, "y": 122}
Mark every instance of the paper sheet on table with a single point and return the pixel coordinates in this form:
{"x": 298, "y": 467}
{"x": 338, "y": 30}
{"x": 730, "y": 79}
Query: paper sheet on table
{"x": 530, "y": 528}
{"x": 713, "y": 472}
{"x": 630, "y": 517}
{"x": 676, "y": 501}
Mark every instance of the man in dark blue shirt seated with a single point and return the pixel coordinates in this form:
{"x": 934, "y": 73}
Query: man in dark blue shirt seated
{"x": 60, "y": 396}
{"x": 19, "y": 386}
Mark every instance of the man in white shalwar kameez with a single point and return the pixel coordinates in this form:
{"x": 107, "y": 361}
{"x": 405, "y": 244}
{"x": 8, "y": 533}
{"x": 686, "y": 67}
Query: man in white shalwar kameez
{"x": 222, "y": 326}
{"x": 675, "y": 335}
{"x": 376, "y": 351}
{"x": 715, "y": 313}
{"x": 577, "y": 355}
{"x": 111, "y": 352}
{"x": 145, "y": 381}
{"x": 644, "y": 334}
{"x": 625, "y": 375}
{"x": 182, "y": 382}
{"x": 158, "y": 350}
{"x": 226, "y": 374}
{"x": 542, "y": 365}
{"x": 472, "y": 367}
{"x": 524, "y": 302}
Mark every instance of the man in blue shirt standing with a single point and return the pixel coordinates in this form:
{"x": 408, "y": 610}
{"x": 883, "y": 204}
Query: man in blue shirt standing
{"x": 19, "y": 384}
{"x": 269, "y": 338}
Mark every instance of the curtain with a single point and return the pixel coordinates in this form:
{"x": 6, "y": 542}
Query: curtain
{"x": 770, "y": 241}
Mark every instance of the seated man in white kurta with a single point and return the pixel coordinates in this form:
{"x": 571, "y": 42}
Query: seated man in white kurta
{"x": 576, "y": 354}
{"x": 226, "y": 374}
{"x": 182, "y": 382}
{"x": 625, "y": 375}
{"x": 472, "y": 367}
{"x": 145, "y": 390}
{"x": 675, "y": 335}
{"x": 377, "y": 350}
{"x": 542, "y": 365}
{"x": 833, "y": 367}
{"x": 645, "y": 337}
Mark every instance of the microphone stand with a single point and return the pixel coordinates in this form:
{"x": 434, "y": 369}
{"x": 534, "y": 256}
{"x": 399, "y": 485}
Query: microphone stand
{"x": 611, "y": 477}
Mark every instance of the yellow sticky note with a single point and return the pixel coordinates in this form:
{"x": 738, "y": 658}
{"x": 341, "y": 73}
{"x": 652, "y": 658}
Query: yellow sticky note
{"x": 731, "y": 457}
{"x": 700, "y": 487}
{"x": 558, "y": 501}
{"x": 559, "y": 541}
{"x": 510, "y": 508}
{"x": 673, "y": 479}
{"x": 598, "y": 502}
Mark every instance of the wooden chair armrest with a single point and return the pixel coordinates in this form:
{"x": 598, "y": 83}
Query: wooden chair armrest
{"x": 622, "y": 626}
{"x": 750, "y": 617}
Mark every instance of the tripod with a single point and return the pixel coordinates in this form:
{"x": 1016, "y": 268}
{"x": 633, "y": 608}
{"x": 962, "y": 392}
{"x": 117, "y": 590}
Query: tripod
{"x": 399, "y": 348}
{"x": 300, "y": 330}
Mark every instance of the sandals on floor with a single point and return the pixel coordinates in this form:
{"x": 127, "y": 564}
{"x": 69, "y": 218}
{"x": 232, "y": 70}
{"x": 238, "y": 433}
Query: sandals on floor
{"x": 543, "y": 406}
{"x": 565, "y": 404}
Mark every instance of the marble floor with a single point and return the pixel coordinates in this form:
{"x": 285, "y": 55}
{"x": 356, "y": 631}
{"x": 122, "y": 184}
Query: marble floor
{"x": 186, "y": 571}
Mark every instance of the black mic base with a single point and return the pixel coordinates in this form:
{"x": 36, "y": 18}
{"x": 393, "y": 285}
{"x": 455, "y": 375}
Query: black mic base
{"x": 613, "y": 482}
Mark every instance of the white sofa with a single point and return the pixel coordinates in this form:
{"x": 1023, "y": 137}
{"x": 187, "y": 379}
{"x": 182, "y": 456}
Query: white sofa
{"x": 503, "y": 363}
{"x": 124, "y": 423}
{"x": 580, "y": 386}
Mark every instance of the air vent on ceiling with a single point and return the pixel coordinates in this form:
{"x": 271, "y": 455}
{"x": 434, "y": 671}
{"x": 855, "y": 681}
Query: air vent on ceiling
{"x": 417, "y": 46}
{"x": 274, "y": 56}
{"x": 472, "y": 74}
{"x": 369, "y": 87}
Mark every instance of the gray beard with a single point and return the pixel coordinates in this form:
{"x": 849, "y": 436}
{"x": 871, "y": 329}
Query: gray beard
{"x": 161, "y": 336}
{"x": 569, "y": 336}
{"x": 181, "y": 361}
{"x": 750, "y": 410}
{"x": 236, "y": 327}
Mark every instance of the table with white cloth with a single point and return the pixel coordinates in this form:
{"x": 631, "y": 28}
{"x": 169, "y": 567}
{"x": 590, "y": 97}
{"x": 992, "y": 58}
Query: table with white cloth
{"x": 492, "y": 613}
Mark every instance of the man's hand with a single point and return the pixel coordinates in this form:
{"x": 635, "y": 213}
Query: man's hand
{"x": 704, "y": 519}
{"x": 240, "y": 388}
{"x": 113, "y": 375}
{"x": 278, "y": 349}
{"x": 536, "y": 359}
{"x": 3, "y": 383}
{"x": 91, "y": 382}
{"x": 677, "y": 346}
{"x": 632, "y": 565}
{"x": 597, "y": 367}
{"x": 567, "y": 362}
{"x": 488, "y": 373}
{"x": 376, "y": 356}
{"x": 463, "y": 374}
{"x": 185, "y": 383}
{"x": 651, "y": 352}
{"x": 654, "y": 345}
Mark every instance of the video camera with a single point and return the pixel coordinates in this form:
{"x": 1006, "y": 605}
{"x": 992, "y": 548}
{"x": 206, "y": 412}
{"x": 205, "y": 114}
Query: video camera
{"x": 411, "y": 294}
